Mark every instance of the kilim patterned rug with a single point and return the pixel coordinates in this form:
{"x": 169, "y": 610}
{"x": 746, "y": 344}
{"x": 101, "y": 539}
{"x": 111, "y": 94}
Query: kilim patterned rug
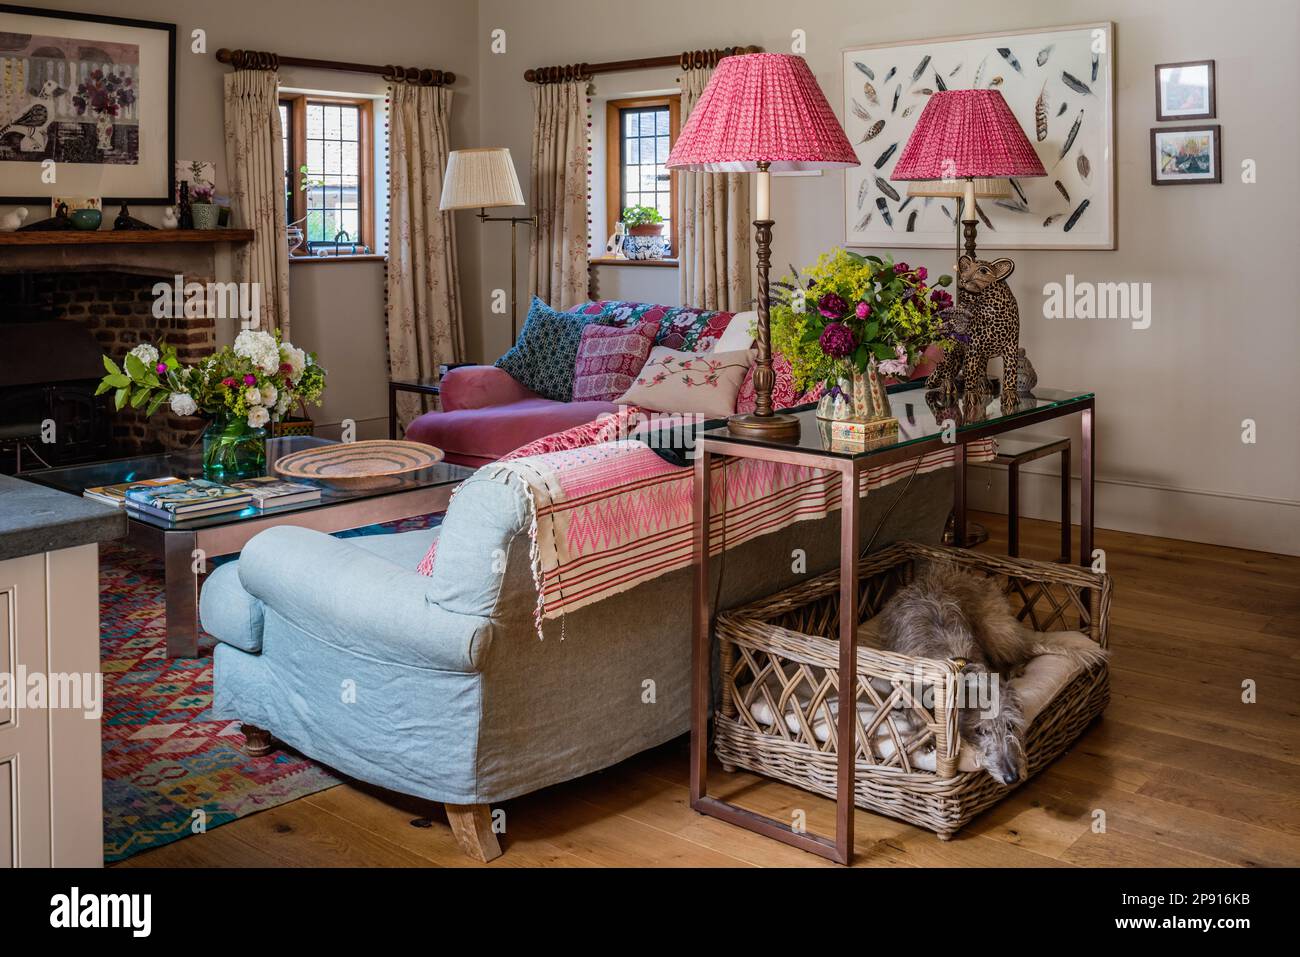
{"x": 164, "y": 756}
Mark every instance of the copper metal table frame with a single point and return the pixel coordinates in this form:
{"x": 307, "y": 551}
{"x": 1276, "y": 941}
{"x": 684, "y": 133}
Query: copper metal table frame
{"x": 839, "y": 848}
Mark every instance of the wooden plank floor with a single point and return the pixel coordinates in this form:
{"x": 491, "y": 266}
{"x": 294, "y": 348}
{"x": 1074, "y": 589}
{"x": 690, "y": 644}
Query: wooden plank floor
{"x": 1186, "y": 773}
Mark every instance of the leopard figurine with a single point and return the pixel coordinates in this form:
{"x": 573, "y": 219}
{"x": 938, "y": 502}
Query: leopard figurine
{"x": 994, "y": 331}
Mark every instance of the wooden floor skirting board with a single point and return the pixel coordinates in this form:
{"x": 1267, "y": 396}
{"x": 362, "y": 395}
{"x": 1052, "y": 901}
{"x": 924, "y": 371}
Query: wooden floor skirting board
{"x": 1184, "y": 772}
{"x": 1187, "y": 514}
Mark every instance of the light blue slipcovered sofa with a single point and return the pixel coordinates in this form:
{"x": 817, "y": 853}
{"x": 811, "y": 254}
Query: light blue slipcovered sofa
{"x": 439, "y": 686}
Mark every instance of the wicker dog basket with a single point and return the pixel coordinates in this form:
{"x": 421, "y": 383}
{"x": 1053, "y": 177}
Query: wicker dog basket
{"x": 779, "y": 657}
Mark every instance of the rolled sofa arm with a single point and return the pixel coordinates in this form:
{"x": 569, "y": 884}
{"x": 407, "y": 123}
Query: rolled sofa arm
{"x": 354, "y": 599}
{"x": 476, "y": 387}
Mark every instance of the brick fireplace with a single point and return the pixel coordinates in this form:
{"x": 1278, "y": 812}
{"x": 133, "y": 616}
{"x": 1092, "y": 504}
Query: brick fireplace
{"x": 108, "y": 294}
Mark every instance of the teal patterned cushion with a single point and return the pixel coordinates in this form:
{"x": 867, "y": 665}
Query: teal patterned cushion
{"x": 544, "y": 357}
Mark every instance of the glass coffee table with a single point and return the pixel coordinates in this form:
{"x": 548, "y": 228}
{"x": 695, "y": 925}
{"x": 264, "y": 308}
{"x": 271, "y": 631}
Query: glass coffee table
{"x": 185, "y": 546}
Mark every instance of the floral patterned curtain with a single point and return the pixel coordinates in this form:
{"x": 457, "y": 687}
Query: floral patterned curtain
{"x": 255, "y": 174}
{"x": 713, "y": 227}
{"x": 558, "y": 269}
{"x": 424, "y": 312}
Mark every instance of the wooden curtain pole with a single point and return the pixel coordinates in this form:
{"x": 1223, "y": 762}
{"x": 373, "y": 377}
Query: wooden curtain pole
{"x": 691, "y": 59}
{"x": 261, "y": 60}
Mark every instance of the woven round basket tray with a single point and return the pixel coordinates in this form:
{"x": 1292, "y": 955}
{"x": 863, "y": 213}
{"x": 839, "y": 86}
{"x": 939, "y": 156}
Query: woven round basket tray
{"x": 359, "y": 465}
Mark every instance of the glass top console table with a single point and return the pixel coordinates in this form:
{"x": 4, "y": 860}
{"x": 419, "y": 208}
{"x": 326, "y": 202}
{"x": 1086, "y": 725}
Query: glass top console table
{"x": 927, "y": 423}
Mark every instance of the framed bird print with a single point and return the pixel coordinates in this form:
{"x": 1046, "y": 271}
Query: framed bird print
{"x": 87, "y": 105}
{"x": 1058, "y": 82}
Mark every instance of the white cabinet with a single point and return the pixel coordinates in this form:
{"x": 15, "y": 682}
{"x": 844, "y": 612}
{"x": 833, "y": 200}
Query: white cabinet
{"x": 51, "y": 791}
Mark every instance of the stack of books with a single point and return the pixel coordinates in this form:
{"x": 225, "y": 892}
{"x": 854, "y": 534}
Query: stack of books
{"x": 270, "y": 492}
{"x": 116, "y": 494}
{"x": 178, "y": 501}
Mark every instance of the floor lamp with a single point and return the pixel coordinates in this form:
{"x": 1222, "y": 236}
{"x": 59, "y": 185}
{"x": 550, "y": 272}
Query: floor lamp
{"x": 762, "y": 113}
{"x": 484, "y": 179}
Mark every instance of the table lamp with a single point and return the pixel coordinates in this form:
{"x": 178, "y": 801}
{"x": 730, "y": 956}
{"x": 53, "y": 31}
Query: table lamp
{"x": 967, "y": 135}
{"x": 482, "y": 179}
{"x": 762, "y": 112}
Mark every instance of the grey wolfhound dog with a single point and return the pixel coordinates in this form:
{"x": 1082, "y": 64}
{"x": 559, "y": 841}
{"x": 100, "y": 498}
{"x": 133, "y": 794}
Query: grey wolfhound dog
{"x": 949, "y": 613}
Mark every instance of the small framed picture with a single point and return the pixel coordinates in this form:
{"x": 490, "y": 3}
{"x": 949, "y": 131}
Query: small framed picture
{"x": 1185, "y": 91}
{"x": 1185, "y": 154}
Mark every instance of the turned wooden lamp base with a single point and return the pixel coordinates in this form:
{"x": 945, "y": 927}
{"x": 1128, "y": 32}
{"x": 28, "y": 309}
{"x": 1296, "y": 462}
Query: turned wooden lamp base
{"x": 773, "y": 428}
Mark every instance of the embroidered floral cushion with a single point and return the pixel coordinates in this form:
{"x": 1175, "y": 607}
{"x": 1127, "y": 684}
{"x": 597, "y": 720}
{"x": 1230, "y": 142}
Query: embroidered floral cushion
{"x": 544, "y": 357}
{"x": 609, "y": 358}
{"x": 677, "y": 381}
{"x": 682, "y": 328}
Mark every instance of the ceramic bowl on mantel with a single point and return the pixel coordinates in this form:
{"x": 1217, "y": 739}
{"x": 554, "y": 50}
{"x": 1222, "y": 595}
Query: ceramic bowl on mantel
{"x": 377, "y": 463}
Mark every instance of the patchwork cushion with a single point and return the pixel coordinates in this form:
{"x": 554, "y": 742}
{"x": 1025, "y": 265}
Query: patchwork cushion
{"x": 676, "y": 381}
{"x": 681, "y": 328}
{"x": 609, "y": 358}
{"x": 543, "y": 359}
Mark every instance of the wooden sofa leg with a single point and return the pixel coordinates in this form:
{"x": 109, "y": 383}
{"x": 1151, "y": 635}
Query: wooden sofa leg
{"x": 472, "y": 825}
{"x": 257, "y": 741}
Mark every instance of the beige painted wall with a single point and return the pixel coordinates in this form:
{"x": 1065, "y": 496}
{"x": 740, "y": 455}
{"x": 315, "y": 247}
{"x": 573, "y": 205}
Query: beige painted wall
{"x": 1224, "y": 341}
{"x": 337, "y": 308}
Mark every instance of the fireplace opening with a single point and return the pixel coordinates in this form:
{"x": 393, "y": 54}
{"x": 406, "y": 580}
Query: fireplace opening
{"x": 55, "y": 327}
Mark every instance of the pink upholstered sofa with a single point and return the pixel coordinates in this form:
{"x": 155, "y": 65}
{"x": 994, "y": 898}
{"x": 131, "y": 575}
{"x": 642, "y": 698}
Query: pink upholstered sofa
{"x": 486, "y": 414}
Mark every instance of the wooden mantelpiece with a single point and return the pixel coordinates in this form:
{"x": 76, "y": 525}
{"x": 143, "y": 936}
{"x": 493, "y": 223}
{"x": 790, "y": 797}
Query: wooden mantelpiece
{"x": 110, "y": 237}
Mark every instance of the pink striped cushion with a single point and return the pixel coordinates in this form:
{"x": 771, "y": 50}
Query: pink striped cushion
{"x": 609, "y": 358}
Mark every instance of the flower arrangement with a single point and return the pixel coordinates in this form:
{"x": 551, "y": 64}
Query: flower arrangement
{"x": 257, "y": 380}
{"x": 855, "y": 313}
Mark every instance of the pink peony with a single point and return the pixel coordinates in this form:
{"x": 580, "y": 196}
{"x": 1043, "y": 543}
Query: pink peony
{"x": 863, "y": 310}
{"x": 250, "y": 379}
{"x": 897, "y": 366}
{"x": 228, "y": 382}
{"x": 837, "y": 341}
{"x": 901, "y": 267}
{"x": 921, "y": 273}
{"x": 832, "y": 306}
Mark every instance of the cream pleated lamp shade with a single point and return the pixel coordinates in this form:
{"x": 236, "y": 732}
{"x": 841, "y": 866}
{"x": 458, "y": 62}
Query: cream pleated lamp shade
{"x": 953, "y": 189}
{"x": 480, "y": 178}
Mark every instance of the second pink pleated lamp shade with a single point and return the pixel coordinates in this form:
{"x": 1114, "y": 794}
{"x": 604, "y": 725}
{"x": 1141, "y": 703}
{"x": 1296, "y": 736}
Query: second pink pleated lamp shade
{"x": 967, "y": 135}
{"x": 762, "y": 112}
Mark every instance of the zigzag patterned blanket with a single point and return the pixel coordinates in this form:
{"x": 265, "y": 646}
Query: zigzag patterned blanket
{"x": 611, "y": 515}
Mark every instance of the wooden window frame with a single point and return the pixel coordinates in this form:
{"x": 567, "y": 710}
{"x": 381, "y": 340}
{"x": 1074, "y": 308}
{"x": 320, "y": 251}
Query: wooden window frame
{"x": 614, "y": 157}
{"x": 297, "y": 103}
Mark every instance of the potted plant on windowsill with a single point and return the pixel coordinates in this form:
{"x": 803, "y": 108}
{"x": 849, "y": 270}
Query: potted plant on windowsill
{"x": 645, "y": 239}
{"x": 243, "y": 389}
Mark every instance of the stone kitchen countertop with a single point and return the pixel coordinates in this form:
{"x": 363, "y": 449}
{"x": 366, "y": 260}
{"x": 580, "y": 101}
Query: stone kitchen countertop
{"x": 36, "y": 519}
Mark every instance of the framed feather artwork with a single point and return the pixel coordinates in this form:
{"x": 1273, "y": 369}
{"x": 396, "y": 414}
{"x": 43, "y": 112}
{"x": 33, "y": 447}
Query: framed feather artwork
{"x": 1059, "y": 83}
{"x": 86, "y": 106}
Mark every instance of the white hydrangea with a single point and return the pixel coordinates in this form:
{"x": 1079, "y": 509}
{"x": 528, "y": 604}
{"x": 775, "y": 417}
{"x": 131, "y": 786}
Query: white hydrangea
{"x": 258, "y": 417}
{"x": 146, "y": 354}
{"x": 296, "y": 358}
{"x": 259, "y": 348}
{"x": 282, "y": 404}
{"x": 269, "y": 394}
{"x": 253, "y": 395}
{"x": 183, "y": 403}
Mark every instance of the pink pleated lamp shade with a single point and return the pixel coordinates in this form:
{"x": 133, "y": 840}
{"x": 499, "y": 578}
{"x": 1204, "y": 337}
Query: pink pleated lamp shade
{"x": 761, "y": 107}
{"x": 963, "y": 133}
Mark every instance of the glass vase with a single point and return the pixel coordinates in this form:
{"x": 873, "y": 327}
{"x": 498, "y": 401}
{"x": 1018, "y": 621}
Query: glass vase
{"x": 233, "y": 449}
